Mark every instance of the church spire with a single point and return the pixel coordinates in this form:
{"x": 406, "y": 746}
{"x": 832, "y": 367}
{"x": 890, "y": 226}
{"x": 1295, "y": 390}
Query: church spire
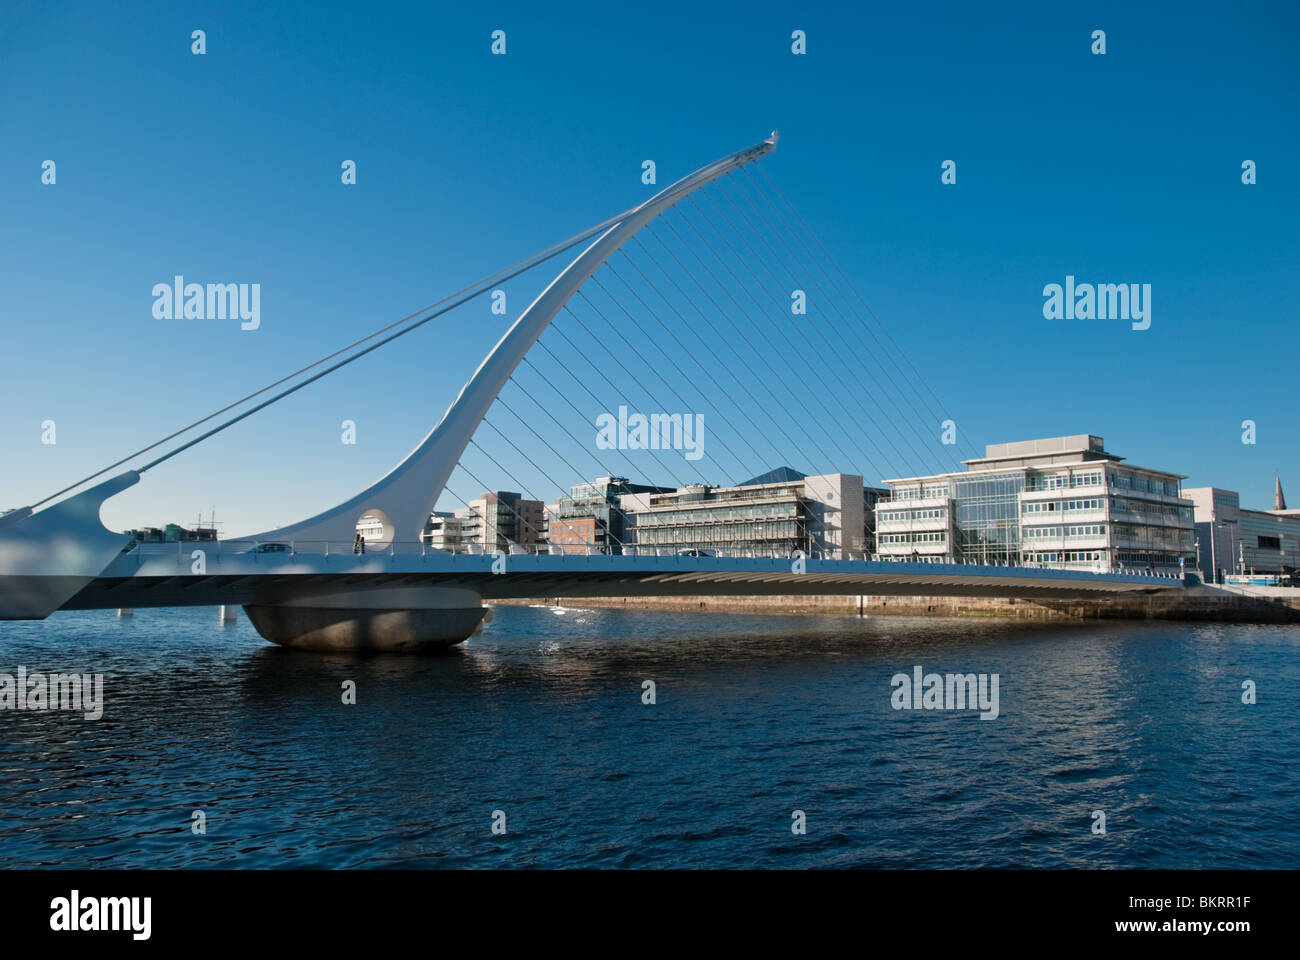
{"x": 1279, "y": 501}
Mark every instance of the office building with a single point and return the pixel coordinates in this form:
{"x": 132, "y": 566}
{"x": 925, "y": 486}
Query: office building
{"x": 371, "y": 529}
{"x": 499, "y": 519}
{"x": 775, "y": 514}
{"x": 1234, "y": 540}
{"x": 171, "y": 533}
{"x": 445, "y": 531}
{"x": 496, "y": 521}
{"x": 1060, "y": 501}
{"x": 592, "y": 518}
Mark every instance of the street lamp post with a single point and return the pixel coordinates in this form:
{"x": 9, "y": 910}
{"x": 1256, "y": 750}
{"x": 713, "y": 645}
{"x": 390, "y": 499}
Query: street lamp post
{"x": 1226, "y": 524}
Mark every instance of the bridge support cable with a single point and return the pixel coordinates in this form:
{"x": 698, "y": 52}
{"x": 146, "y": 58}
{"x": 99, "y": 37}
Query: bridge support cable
{"x": 576, "y": 473}
{"x": 621, "y": 393}
{"x": 882, "y": 357}
{"x": 815, "y": 362}
{"x": 745, "y": 472}
{"x": 708, "y": 375}
{"x": 590, "y": 336}
{"x": 573, "y": 471}
{"x": 560, "y": 393}
{"x": 562, "y": 489}
{"x": 748, "y": 470}
{"x": 525, "y": 490}
{"x": 896, "y": 422}
{"x": 807, "y": 237}
{"x": 439, "y": 307}
{"x": 771, "y": 286}
{"x": 578, "y": 352}
{"x": 754, "y": 377}
{"x": 540, "y": 532}
{"x": 512, "y": 512}
{"x": 541, "y": 343}
{"x": 795, "y": 217}
{"x": 795, "y": 395}
{"x": 409, "y": 491}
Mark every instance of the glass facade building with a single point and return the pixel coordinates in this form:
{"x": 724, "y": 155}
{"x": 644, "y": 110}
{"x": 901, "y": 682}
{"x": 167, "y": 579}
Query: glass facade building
{"x": 1057, "y": 502}
{"x": 592, "y": 518}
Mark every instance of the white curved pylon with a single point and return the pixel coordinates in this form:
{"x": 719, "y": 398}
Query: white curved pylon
{"x": 409, "y": 492}
{"x": 48, "y": 556}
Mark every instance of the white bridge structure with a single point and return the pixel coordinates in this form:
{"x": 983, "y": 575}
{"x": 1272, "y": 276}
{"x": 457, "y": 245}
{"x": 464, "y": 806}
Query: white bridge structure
{"x": 303, "y": 585}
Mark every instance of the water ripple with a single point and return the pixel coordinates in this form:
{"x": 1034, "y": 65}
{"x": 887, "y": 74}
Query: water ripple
{"x": 541, "y": 718}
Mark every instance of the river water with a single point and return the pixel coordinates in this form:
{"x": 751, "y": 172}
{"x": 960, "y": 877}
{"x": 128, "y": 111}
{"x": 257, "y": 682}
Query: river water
{"x": 538, "y": 726}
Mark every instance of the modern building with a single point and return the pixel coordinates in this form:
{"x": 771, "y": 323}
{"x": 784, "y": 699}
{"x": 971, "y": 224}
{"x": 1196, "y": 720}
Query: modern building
{"x": 371, "y": 529}
{"x": 1060, "y": 501}
{"x": 171, "y": 533}
{"x": 771, "y": 515}
{"x": 499, "y": 519}
{"x": 592, "y": 518}
{"x": 574, "y": 534}
{"x": 495, "y": 521}
{"x": 445, "y": 531}
{"x": 1233, "y": 540}
{"x": 871, "y": 497}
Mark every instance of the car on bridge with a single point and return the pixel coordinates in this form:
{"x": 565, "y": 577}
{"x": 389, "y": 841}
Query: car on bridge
{"x": 267, "y": 548}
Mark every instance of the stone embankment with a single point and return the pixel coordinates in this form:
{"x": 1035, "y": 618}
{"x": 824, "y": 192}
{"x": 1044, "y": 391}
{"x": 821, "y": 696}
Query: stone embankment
{"x": 1228, "y": 604}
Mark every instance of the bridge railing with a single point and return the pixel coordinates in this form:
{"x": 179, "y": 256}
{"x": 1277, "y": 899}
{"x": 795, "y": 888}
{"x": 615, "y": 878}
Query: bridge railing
{"x": 185, "y": 552}
{"x": 280, "y": 549}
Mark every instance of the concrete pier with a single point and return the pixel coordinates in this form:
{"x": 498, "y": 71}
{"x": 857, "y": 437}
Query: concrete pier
{"x": 394, "y": 620}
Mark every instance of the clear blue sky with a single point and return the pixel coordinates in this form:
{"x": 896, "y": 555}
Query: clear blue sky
{"x": 225, "y": 168}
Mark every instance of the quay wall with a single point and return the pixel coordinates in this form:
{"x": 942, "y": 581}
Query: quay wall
{"x": 1250, "y": 605}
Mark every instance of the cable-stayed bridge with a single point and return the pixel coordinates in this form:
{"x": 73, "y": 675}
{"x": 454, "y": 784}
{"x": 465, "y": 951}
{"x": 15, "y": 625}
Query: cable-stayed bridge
{"x": 693, "y": 304}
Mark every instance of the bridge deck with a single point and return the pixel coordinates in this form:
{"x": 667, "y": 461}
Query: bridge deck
{"x": 163, "y": 577}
